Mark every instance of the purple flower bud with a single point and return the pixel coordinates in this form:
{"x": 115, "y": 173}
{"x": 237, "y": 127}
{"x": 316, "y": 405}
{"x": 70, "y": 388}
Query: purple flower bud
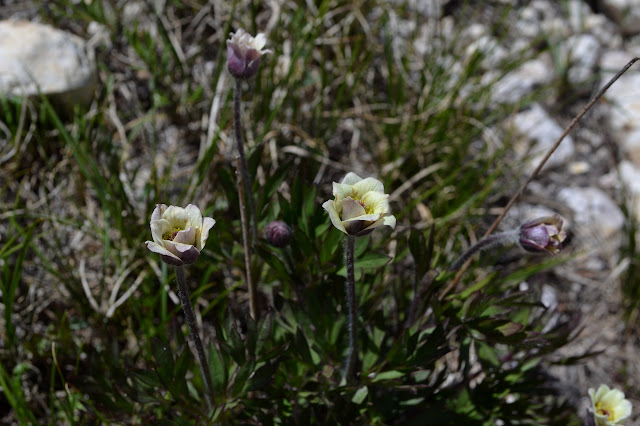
{"x": 542, "y": 234}
{"x": 244, "y": 53}
{"x": 278, "y": 234}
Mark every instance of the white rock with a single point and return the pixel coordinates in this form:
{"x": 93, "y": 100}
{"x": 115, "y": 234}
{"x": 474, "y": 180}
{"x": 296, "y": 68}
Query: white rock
{"x": 522, "y": 81}
{"x": 624, "y": 97}
{"x": 36, "y": 57}
{"x": 541, "y": 131}
{"x": 626, "y": 13}
{"x": 604, "y": 30}
{"x": 630, "y": 177}
{"x": 595, "y": 213}
{"x": 583, "y": 54}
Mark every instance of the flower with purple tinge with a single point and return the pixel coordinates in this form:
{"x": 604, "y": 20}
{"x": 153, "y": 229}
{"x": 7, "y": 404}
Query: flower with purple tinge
{"x": 278, "y": 234}
{"x": 609, "y": 406}
{"x": 360, "y": 206}
{"x": 542, "y": 234}
{"x": 244, "y": 52}
{"x": 179, "y": 234}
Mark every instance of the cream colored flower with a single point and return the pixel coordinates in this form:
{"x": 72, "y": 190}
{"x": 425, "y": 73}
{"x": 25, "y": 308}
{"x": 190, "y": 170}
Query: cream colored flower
{"x": 244, "y": 53}
{"x": 609, "y": 406}
{"x": 179, "y": 234}
{"x": 360, "y": 206}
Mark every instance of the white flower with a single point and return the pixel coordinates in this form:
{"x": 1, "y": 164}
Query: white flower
{"x": 360, "y": 206}
{"x": 179, "y": 234}
{"x": 609, "y": 406}
{"x": 244, "y": 53}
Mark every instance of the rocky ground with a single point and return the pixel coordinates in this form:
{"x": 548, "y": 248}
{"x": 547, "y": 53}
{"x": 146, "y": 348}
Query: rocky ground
{"x": 593, "y": 180}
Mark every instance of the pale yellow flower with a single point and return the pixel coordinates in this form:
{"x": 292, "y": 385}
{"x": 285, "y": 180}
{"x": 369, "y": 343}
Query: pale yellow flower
{"x": 244, "y": 52}
{"x": 609, "y": 406}
{"x": 360, "y": 206}
{"x": 179, "y": 234}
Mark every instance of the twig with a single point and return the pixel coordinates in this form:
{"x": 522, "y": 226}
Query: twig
{"x": 533, "y": 175}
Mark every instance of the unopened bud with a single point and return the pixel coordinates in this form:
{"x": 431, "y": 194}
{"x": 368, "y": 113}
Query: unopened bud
{"x": 542, "y": 234}
{"x": 278, "y": 234}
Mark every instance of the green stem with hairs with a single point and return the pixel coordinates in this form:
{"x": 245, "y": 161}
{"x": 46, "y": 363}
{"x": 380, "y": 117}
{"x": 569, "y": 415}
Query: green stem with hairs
{"x": 194, "y": 334}
{"x": 352, "y": 314}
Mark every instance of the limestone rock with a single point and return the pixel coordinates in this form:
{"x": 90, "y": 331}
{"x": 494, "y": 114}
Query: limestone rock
{"x": 36, "y": 57}
{"x": 624, "y": 97}
{"x": 539, "y": 133}
{"x": 625, "y": 13}
{"x": 523, "y": 80}
{"x": 597, "y": 214}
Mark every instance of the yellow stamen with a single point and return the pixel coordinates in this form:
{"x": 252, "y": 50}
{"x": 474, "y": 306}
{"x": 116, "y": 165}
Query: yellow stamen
{"x": 171, "y": 235}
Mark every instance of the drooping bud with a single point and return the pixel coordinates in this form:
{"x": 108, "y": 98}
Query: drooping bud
{"x": 542, "y": 234}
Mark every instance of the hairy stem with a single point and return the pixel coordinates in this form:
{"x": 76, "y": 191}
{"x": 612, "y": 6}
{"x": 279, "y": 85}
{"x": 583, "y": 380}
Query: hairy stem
{"x": 194, "y": 334}
{"x": 352, "y": 315}
{"x": 487, "y": 242}
{"x": 247, "y": 247}
{"x": 244, "y": 168}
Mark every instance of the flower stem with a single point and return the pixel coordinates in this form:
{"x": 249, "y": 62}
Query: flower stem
{"x": 352, "y": 315}
{"x": 183, "y": 293}
{"x": 487, "y": 242}
{"x": 244, "y": 168}
{"x": 247, "y": 247}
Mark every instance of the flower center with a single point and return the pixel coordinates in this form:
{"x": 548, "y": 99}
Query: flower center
{"x": 171, "y": 235}
{"x": 605, "y": 412}
{"x": 367, "y": 209}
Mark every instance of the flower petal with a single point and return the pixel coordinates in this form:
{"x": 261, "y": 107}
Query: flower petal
{"x": 207, "y": 224}
{"x": 186, "y": 236}
{"x": 351, "y": 179}
{"x": 194, "y": 217}
{"x": 330, "y": 207}
{"x": 177, "y": 217}
{"x": 351, "y": 209}
{"x": 341, "y": 191}
{"x": 259, "y": 41}
{"x": 167, "y": 256}
{"x": 159, "y": 228}
{"x": 186, "y": 252}
{"x": 367, "y": 185}
{"x": 376, "y": 202}
{"x": 390, "y": 221}
{"x": 158, "y": 211}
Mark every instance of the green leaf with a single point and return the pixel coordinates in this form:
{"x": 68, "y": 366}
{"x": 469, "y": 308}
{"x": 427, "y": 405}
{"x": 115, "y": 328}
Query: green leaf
{"x": 388, "y": 375}
{"x": 146, "y": 378}
{"x": 510, "y": 328}
{"x": 237, "y": 347}
{"x": 240, "y": 384}
{"x": 265, "y": 325}
{"x": 263, "y": 376}
{"x": 421, "y": 251}
{"x": 302, "y": 347}
{"x": 360, "y": 395}
{"x": 164, "y": 360}
{"x": 219, "y": 371}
